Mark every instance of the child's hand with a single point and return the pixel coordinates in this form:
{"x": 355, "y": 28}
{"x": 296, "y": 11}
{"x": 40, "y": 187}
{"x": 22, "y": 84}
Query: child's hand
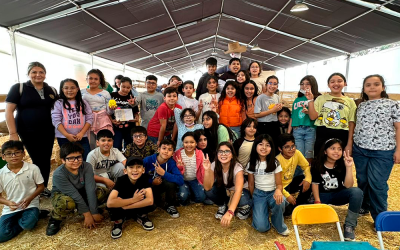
{"x": 309, "y": 95}
{"x": 79, "y": 136}
{"x": 348, "y": 160}
{"x": 89, "y": 221}
{"x": 179, "y": 161}
{"x": 159, "y": 169}
{"x": 278, "y": 196}
{"x": 276, "y": 107}
{"x": 305, "y": 110}
{"x": 132, "y": 101}
{"x": 290, "y": 199}
{"x": 214, "y": 103}
{"x": 306, "y": 185}
{"x": 109, "y": 183}
{"x": 13, "y": 206}
{"x": 206, "y": 162}
{"x": 157, "y": 181}
{"x": 115, "y": 122}
{"x": 97, "y": 217}
{"x": 71, "y": 138}
{"x": 226, "y": 219}
{"x": 201, "y": 105}
{"x": 396, "y": 156}
{"x": 24, "y": 203}
{"x": 138, "y": 195}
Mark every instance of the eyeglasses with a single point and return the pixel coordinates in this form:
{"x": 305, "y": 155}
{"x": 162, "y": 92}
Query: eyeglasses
{"x": 72, "y": 159}
{"x": 305, "y": 84}
{"x": 289, "y": 147}
{"x": 139, "y": 136}
{"x": 273, "y": 83}
{"x": 72, "y": 88}
{"x": 16, "y": 153}
{"x": 224, "y": 152}
{"x": 187, "y": 116}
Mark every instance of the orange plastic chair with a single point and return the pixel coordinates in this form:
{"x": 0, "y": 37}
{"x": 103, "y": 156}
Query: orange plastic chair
{"x": 314, "y": 214}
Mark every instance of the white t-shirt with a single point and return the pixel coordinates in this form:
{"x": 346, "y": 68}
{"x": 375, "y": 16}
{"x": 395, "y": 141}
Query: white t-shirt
{"x": 100, "y": 163}
{"x": 190, "y": 166}
{"x": 188, "y": 102}
{"x": 20, "y": 185}
{"x": 264, "y": 181}
{"x": 236, "y": 170}
{"x": 206, "y": 100}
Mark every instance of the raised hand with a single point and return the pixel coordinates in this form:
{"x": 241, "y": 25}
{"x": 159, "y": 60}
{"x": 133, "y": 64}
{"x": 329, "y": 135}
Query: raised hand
{"x": 132, "y": 101}
{"x": 206, "y": 162}
{"x": 201, "y": 105}
{"x": 179, "y": 161}
{"x": 214, "y": 103}
{"x": 159, "y": 169}
{"x": 348, "y": 160}
{"x": 309, "y": 95}
{"x": 304, "y": 110}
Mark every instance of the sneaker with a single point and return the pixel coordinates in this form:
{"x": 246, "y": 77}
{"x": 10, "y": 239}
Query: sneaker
{"x": 363, "y": 211}
{"x": 53, "y": 227}
{"x": 145, "y": 222}
{"x": 173, "y": 212}
{"x": 46, "y": 193}
{"x": 285, "y": 233}
{"x": 116, "y": 231}
{"x": 348, "y": 233}
{"x": 221, "y": 211}
{"x": 243, "y": 212}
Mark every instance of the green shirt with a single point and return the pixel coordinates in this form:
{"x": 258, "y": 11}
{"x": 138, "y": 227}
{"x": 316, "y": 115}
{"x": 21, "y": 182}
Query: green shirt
{"x": 334, "y": 112}
{"x": 299, "y": 118}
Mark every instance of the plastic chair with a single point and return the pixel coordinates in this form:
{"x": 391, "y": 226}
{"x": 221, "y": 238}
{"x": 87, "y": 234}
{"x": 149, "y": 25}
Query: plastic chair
{"x": 314, "y": 214}
{"x": 387, "y": 222}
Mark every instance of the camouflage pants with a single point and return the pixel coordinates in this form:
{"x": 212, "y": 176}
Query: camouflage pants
{"x": 63, "y": 205}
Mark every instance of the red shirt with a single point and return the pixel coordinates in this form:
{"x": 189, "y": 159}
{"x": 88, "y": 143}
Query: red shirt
{"x": 163, "y": 112}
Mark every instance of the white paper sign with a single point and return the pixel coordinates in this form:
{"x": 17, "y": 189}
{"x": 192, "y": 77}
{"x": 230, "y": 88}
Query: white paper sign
{"x": 123, "y": 115}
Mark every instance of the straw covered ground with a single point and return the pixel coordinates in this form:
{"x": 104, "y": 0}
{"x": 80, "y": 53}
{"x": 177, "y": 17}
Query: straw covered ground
{"x": 195, "y": 229}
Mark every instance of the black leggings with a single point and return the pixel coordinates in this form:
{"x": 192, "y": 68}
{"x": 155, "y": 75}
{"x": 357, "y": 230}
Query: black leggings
{"x": 39, "y": 144}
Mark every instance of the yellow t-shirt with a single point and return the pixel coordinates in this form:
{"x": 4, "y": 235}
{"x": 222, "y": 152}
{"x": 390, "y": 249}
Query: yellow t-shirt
{"x": 334, "y": 112}
{"x": 289, "y": 167}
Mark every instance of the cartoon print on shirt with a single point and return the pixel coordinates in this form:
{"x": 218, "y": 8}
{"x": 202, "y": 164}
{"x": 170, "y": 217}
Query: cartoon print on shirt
{"x": 151, "y": 104}
{"x": 329, "y": 182}
{"x": 333, "y": 118}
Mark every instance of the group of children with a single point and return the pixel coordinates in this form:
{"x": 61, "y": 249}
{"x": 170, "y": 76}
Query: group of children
{"x": 239, "y": 149}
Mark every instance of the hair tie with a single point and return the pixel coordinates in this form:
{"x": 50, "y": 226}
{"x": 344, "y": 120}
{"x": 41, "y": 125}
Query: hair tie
{"x": 333, "y": 139}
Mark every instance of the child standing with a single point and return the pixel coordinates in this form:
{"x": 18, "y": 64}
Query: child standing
{"x": 140, "y": 147}
{"x": 72, "y": 116}
{"x": 185, "y": 122}
{"x": 124, "y": 100}
{"x": 73, "y": 187}
{"x": 108, "y": 163}
{"x": 334, "y": 114}
{"x": 211, "y": 64}
{"x": 332, "y": 182}
{"x": 131, "y": 197}
{"x": 284, "y": 120}
{"x": 234, "y": 67}
{"x": 249, "y": 96}
{"x": 187, "y": 100}
{"x": 163, "y": 121}
{"x": 98, "y": 101}
{"x": 267, "y": 105}
{"x": 265, "y": 184}
{"x": 209, "y": 101}
{"x": 244, "y": 144}
{"x": 303, "y": 127}
{"x": 376, "y": 144}
{"x": 189, "y": 160}
{"x": 230, "y": 107}
{"x": 164, "y": 176}
{"x": 22, "y": 182}
{"x": 255, "y": 70}
{"x": 149, "y": 101}
{"x": 242, "y": 78}
{"x": 290, "y": 158}
{"x": 223, "y": 176}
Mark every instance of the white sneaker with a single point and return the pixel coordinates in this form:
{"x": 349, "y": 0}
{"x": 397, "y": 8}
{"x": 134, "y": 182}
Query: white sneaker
{"x": 285, "y": 233}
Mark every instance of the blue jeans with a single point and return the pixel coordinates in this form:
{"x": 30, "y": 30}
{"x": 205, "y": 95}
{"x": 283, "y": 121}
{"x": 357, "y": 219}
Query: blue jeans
{"x": 236, "y": 130}
{"x": 84, "y": 143}
{"x": 191, "y": 188}
{"x": 12, "y": 224}
{"x": 122, "y": 135}
{"x": 352, "y": 196}
{"x": 305, "y": 138}
{"x": 263, "y": 202}
{"x": 219, "y": 197}
{"x": 373, "y": 169}
{"x": 155, "y": 139}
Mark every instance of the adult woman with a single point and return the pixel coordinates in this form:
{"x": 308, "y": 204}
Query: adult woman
{"x": 117, "y": 82}
{"x": 255, "y": 72}
{"x": 33, "y": 101}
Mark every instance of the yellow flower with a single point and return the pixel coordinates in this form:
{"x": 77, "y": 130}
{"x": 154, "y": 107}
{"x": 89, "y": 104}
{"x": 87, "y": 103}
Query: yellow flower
{"x": 271, "y": 106}
{"x": 112, "y": 103}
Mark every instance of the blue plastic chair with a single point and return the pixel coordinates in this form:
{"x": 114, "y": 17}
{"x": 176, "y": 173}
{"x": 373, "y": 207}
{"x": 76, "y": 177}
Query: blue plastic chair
{"x": 387, "y": 222}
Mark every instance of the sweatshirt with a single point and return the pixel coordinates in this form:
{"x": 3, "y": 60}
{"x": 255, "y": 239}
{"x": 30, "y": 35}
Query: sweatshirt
{"x": 172, "y": 173}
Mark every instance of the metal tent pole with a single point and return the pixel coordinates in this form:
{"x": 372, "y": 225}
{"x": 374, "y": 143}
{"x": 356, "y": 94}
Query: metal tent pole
{"x": 11, "y": 32}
